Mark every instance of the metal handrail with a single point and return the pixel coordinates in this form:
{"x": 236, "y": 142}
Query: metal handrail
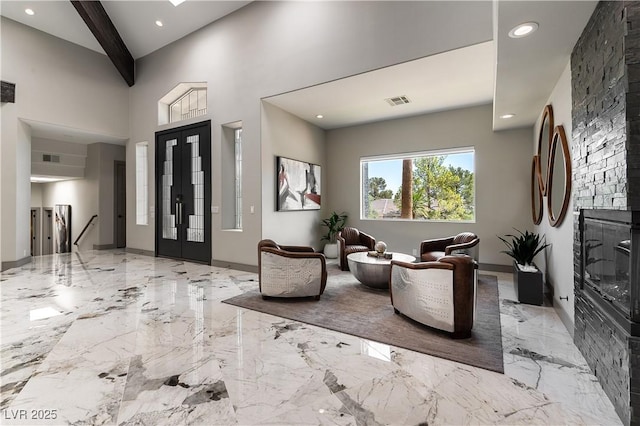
{"x": 75, "y": 243}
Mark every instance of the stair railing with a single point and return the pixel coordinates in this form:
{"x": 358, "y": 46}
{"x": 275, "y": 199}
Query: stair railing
{"x": 75, "y": 243}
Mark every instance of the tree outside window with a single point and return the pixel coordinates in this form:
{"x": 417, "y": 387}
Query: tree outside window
{"x": 424, "y": 186}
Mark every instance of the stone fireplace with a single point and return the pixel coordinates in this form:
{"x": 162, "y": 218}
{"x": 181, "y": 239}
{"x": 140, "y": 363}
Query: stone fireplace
{"x": 605, "y": 73}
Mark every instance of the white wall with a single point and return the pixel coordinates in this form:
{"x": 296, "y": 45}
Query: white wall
{"x": 72, "y": 158}
{"x": 268, "y": 48}
{"x": 92, "y": 195}
{"x": 279, "y": 128}
{"x": 502, "y": 168}
{"x": 36, "y": 195}
{"x": 82, "y": 196}
{"x": 15, "y": 187}
{"x": 62, "y": 83}
{"x": 59, "y": 83}
{"x": 558, "y": 259}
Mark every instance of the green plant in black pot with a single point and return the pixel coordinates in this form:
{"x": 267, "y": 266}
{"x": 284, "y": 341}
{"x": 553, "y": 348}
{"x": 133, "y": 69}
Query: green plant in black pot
{"x": 524, "y": 247}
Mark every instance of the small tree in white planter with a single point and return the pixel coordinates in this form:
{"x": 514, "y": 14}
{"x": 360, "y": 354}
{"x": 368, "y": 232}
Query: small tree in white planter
{"x": 334, "y": 224}
{"x": 527, "y": 278}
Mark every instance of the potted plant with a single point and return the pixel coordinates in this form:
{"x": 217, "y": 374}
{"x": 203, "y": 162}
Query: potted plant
{"x": 334, "y": 224}
{"x": 527, "y": 278}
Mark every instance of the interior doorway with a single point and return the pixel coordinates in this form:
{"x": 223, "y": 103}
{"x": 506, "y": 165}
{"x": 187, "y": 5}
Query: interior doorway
{"x": 120, "y": 204}
{"x": 35, "y": 231}
{"x": 47, "y": 231}
{"x": 183, "y": 192}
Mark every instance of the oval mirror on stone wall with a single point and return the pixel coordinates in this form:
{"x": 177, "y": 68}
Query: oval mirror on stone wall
{"x": 544, "y": 147}
{"x": 559, "y": 183}
{"x": 536, "y": 193}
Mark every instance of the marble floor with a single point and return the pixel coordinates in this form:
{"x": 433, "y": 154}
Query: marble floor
{"x": 108, "y": 337}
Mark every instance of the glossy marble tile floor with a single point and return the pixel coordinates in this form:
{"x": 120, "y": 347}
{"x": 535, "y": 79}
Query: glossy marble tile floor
{"x": 108, "y": 337}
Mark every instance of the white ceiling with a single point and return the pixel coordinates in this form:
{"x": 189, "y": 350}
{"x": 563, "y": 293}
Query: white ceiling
{"x": 56, "y": 132}
{"x": 134, "y": 20}
{"x": 517, "y": 75}
{"x": 435, "y": 83}
{"x": 528, "y": 68}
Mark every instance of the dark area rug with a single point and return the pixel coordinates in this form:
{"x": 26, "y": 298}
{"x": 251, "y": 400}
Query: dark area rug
{"x": 349, "y": 307}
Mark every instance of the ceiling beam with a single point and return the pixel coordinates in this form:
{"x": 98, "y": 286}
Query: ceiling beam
{"x": 96, "y": 18}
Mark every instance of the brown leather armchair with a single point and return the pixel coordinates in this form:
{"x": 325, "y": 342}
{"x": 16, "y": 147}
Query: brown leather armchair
{"x": 463, "y": 243}
{"x": 438, "y": 294}
{"x": 290, "y": 271}
{"x": 351, "y": 240}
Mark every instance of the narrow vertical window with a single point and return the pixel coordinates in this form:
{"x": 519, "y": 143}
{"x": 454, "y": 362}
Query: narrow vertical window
{"x": 232, "y": 176}
{"x": 238, "y": 180}
{"x": 142, "y": 196}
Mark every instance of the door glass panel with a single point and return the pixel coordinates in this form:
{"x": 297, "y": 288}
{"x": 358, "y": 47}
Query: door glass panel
{"x": 195, "y": 231}
{"x": 169, "y": 230}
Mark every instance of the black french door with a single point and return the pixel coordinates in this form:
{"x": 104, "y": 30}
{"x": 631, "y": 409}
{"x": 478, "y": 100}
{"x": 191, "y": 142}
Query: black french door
{"x": 183, "y": 193}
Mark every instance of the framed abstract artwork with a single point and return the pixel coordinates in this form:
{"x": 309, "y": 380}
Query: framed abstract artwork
{"x": 63, "y": 228}
{"x": 298, "y": 185}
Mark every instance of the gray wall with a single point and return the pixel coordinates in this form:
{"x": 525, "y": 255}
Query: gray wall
{"x": 557, "y": 261}
{"x": 279, "y": 128}
{"x": 268, "y": 48}
{"x": 502, "y": 163}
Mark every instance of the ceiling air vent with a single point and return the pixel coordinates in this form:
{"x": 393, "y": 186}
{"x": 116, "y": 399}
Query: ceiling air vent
{"x": 49, "y": 158}
{"x": 398, "y": 100}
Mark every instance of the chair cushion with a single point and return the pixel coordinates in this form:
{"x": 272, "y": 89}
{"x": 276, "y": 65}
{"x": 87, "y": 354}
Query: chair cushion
{"x": 356, "y": 248}
{"x": 464, "y": 237}
{"x": 430, "y": 256}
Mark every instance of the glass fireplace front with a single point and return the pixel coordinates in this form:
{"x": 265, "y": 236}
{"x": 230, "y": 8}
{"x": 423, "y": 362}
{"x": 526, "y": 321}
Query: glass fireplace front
{"x": 610, "y": 258}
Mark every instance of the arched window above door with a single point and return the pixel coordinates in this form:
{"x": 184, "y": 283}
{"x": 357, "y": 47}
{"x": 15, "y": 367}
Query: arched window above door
{"x": 185, "y": 101}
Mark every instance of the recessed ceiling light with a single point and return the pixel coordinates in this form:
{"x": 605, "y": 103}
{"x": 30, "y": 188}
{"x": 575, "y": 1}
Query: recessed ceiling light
{"x": 319, "y": 116}
{"x": 159, "y": 23}
{"x": 29, "y": 12}
{"x": 176, "y": 2}
{"x": 523, "y": 30}
{"x": 507, "y": 116}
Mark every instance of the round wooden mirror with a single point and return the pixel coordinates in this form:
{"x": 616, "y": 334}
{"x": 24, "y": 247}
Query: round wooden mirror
{"x": 536, "y": 193}
{"x": 544, "y": 147}
{"x": 559, "y": 183}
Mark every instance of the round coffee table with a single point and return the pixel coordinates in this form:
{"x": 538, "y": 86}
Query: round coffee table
{"x": 374, "y": 271}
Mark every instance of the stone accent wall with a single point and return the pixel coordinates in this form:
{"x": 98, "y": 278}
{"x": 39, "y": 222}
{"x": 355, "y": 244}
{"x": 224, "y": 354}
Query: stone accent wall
{"x": 599, "y": 81}
{"x": 607, "y": 349}
{"x": 605, "y": 72}
{"x": 632, "y": 59}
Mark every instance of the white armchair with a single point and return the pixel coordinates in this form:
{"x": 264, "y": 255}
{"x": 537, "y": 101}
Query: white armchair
{"x": 439, "y": 294}
{"x": 290, "y": 271}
